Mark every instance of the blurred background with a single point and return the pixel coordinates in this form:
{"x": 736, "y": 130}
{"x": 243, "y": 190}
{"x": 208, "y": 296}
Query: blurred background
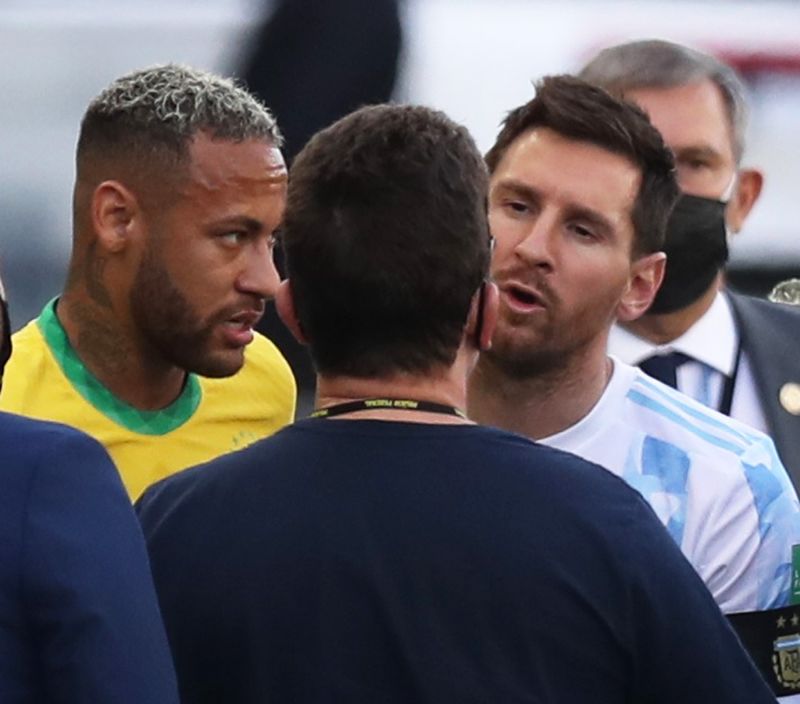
{"x": 314, "y": 60}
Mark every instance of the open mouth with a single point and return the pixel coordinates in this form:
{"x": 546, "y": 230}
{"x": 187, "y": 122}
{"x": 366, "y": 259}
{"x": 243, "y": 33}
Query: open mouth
{"x": 246, "y": 320}
{"x": 237, "y": 325}
{"x": 238, "y": 329}
{"x": 524, "y": 296}
{"x": 521, "y": 297}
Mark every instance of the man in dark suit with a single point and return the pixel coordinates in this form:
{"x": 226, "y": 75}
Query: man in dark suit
{"x": 79, "y": 621}
{"x": 732, "y": 352}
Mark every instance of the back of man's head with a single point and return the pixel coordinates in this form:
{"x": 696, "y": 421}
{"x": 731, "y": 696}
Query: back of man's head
{"x": 386, "y": 241}
{"x": 655, "y": 63}
{"x": 139, "y": 129}
{"x": 577, "y": 110}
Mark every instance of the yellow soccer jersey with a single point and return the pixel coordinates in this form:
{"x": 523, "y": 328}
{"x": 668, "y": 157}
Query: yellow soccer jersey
{"x": 45, "y": 379}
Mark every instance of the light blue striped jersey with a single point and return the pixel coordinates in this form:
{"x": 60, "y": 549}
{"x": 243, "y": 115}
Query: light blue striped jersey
{"x": 716, "y": 484}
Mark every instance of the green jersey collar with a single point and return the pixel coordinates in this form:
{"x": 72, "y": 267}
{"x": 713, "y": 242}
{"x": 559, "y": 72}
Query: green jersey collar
{"x": 89, "y": 386}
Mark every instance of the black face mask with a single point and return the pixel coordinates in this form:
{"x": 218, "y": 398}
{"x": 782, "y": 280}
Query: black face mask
{"x": 697, "y": 248}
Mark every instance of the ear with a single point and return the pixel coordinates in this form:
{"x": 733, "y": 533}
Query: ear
{"x": 114, "y": 211}
{"x": 748, "y": 189}
{"x": 284, "y": 304}
{"x": 646, "y": 276}
{"x": 483, "y": 312}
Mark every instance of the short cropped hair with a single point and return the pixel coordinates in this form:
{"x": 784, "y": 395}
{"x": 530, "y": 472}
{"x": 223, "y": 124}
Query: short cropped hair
{"x": 147, "y": 118}
{"x": 386, "y": 240}
{"x": 577, "y": 110}
{"x": 655, "y": 63}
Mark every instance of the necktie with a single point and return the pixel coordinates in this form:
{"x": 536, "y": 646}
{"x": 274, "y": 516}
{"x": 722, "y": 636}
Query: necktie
{"x": 664, "y": 367}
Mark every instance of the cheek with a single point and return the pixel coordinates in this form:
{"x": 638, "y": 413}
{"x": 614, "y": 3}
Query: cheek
{"x": 203, "y": 257}
{"x": 501, "y": 225}
{"x": 505, "y": 235}
{"x": 501, "y": 256}
{"x": 593, "y": 276}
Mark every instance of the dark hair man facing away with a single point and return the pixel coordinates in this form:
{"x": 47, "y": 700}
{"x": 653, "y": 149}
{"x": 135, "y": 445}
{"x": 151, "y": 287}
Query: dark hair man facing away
{"x": 387, "y": 549}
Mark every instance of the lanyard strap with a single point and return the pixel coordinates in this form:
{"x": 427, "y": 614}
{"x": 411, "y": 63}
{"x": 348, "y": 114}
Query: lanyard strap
{"x": 394, "y": 404}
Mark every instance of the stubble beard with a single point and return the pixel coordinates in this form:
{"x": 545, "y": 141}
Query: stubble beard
{"x": 165, "y": 318}
{"x": 521, "y": 353}
{"x": 521, "y": 356}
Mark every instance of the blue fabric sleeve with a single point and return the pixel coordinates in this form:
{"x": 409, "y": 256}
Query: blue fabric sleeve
{"x": 86, "y": 583}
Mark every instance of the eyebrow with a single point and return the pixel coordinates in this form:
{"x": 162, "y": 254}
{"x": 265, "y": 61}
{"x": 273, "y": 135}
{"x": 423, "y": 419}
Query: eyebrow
{"x": 243, "y": 221}
{"x": 523, "y": 190}
{"x": 697, "y": 151}
{"x": 573, "y": 210}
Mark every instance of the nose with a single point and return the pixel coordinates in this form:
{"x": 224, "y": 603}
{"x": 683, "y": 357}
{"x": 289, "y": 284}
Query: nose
{"x": 258, "y": 275}
{"x": 537, "y": 246}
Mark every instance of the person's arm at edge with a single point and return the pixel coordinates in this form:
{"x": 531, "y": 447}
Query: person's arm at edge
{"x": 87, "y": 584}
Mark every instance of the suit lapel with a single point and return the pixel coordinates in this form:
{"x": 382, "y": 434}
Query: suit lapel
{"x": 770, "y": 337}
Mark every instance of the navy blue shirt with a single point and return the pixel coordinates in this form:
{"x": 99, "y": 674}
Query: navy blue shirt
{"x": 79, "y": 619}
{"x": 374, "y": 561}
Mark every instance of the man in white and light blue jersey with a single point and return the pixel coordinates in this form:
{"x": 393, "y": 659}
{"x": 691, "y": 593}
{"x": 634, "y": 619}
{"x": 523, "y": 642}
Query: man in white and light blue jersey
{"x": 717, "y": 485}
{"x": 578, "y": 208}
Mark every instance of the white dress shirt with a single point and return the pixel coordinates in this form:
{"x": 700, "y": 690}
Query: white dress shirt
{"x": 712, "y": 343}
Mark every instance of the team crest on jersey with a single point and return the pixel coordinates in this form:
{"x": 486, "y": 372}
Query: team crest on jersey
{"x": 786, "y": 648}
{"x": 786, "y": 653}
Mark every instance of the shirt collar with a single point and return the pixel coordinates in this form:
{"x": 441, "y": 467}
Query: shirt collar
{"x": 712, "y": 340}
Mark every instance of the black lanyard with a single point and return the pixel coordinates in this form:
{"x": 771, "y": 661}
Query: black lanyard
{"x": 393, "y": 404}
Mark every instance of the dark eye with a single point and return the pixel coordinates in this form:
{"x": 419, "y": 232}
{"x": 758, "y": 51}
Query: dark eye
{"x": 695, "y": 164}
{"x": 583, "y": 231}
{"x": 517, "y": 206}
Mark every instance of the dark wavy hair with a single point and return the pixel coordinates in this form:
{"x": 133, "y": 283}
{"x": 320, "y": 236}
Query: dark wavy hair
{"x": 386, "y": 240}
{"x": 578, "y": 110}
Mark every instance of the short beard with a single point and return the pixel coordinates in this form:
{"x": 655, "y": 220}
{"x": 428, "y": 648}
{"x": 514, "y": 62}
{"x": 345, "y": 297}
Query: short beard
{"x": 166, "y": 320}
{"x": 521, "y": 366}
{"x": 551, "y": 357}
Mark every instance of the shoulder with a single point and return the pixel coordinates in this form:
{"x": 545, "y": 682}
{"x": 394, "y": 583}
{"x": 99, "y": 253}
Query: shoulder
{"x": 31, "y": 436}
{"x": 674, "y": 415}
{"x": 544, "y": 478}
{"x": 201, "y": 488}
{"x": 185, "y": 512}
{"x": 55, "y": 448}
{"x": 28, "y": 343}
{"x": 262, "y": 354}
{"x": 28, "y": 333}
{"x": 25, "y": 445}
{"x": 30, "y": 364}
{"x": 590, "y": 502}
{"x": 49, "y": 467}
{"x": 295, "y": 457}
{"x": 264, "y": 365}
{"x": 708, "y": 438}
{"x": 512, "y": 452}
{"x": 263, "y": 389}
{"x": 747, "y": 308}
